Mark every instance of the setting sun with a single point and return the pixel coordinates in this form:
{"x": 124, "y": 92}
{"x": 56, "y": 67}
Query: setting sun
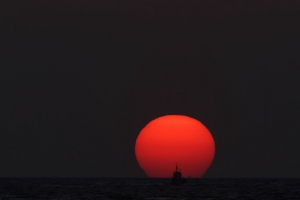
{"x": 172, "y": 139}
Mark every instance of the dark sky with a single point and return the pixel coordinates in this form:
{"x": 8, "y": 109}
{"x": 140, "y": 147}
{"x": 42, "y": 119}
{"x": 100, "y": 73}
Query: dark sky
{"x": 80, "y": 79}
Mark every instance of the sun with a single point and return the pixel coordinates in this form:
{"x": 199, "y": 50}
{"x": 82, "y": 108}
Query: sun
{"x": 172, "y": 139}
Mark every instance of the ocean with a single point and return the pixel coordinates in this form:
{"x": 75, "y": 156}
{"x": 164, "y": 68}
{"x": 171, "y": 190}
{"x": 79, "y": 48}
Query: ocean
{"x": 147, "y": 189}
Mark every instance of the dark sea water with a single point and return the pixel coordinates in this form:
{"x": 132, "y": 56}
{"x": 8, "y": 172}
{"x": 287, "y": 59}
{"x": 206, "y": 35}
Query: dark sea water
{"x": 147, "y": 189}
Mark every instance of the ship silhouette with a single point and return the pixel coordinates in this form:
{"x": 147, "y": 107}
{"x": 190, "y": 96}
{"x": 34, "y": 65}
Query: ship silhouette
{"x": 177, "y": 178}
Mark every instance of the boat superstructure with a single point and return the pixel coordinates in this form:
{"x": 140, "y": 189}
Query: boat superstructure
{"x": 177, "y": 177}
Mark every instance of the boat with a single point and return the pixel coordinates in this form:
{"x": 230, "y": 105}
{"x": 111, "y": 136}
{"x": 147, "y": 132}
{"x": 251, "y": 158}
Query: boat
{"x": 177, "y": 179}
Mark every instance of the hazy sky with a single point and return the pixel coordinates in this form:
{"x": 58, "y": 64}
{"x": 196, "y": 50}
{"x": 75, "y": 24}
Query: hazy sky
{"x": 79, "y": 80}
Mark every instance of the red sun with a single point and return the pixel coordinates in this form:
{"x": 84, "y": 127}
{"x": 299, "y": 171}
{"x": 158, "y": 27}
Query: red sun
{"x": 172, "y": 139}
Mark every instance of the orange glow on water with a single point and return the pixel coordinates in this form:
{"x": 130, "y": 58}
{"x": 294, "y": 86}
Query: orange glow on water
{"x": 175, "y": 138}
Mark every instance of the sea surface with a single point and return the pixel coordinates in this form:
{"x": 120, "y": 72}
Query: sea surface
{"x": 147, "y": 189}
